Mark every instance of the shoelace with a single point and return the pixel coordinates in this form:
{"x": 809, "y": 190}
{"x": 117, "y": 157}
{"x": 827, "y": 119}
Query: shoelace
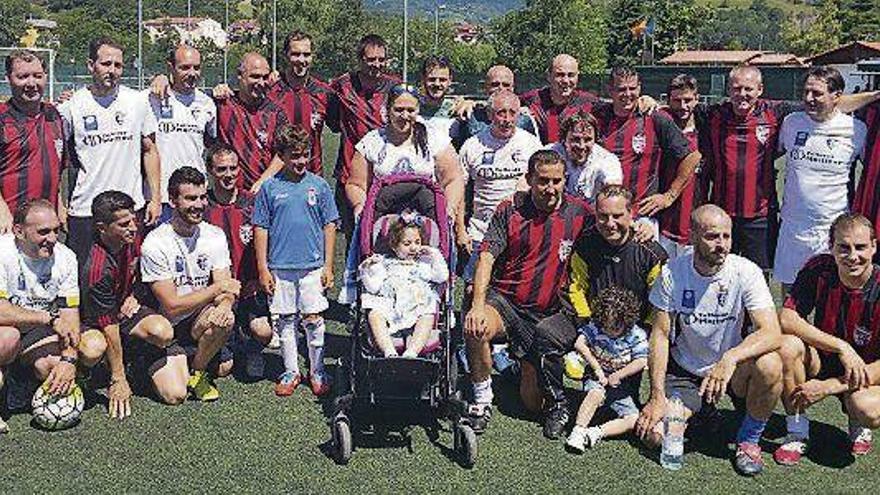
{"x": 865, "y": 435}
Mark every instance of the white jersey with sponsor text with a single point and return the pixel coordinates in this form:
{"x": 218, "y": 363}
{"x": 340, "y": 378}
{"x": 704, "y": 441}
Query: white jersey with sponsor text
{"x": 819, "y": 157}
{"x": 708, "y": 312}
{"x": 107, "y": 143}
{"x": 38, "y": 284}
{"x": 494, "y": 166}
{"x": 187, "y": 261}
{"x": 183, "y": 122}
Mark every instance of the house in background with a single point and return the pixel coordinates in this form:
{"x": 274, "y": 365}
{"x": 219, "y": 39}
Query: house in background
{"x": 858, "y": 62}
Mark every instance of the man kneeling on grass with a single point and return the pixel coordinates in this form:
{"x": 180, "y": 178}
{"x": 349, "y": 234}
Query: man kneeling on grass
{"x": 838, "y": 353}
{"x": 708, "y": 293}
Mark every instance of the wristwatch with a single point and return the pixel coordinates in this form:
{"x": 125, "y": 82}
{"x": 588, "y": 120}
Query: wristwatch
{"x": 69, "y": 360}
{"x": 53, "y": 317}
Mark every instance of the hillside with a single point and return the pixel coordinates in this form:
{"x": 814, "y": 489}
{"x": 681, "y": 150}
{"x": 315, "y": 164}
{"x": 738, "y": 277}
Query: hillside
{"x": 472, "y": 10}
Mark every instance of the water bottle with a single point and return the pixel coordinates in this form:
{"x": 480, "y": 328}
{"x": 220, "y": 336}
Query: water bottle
{"x": 672, "y": 454}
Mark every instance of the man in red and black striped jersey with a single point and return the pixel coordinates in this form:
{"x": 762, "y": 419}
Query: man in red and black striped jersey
{"x": 738, "y": 139}
{"x": 246, "y": 122}
{"x": 358, "y": 107}
{"x": 644, "y": 144}
{"x": 839, "y": 353}
{"x": 230, "y": 208}
{"x": 112, "y": 302}
{"x": 867, "y": 199}
{"x": 675, "y": 221}
{"x": 520, "y": 270}
{"x": 302, "y": 97}
{"x": 551, "y": 103}
{"x": 31, "y": 138}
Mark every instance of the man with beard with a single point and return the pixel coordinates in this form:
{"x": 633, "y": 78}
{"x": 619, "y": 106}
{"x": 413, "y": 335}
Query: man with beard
{"x": 675, "y": 221}
{"x": 836, "y": 355}
{"x": 186, "y": 264}
{"x": 32, "y": 139}
{"x": 40, "y": 329}
{"x": 588, "y": 166}
{"x": 114, "y": 302}
{"x": 707, "y": 294}
{"x": 187, "y": 118}
{"x": 561, "y": 95}
{"x": 521, "y": 265}
{"x": 113, "y": 132}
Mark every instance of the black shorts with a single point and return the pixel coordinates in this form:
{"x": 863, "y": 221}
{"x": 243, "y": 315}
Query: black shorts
{"x": 755, "y": 239}
{"x": 830, "y": 366}
{"x": 126, "y": 325}
{"x": 519, "y": 323}
{"x": 686, "y": 385}
{"x": 189, "y": 346}
{"x": 35, "y": 335}
{"x": 250, "y": 308}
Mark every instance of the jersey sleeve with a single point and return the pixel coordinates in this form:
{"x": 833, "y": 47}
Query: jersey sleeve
{"x": 220, "y": 257}
{"x": 100, "y": 304}
{"x": 661, "y": 296}
{"x": 262, "y": 216}
{"x": 639, "y": 343}
{"x": 211, "y": 125}
{"x": 150, "y": 126}
{"x": 612, "y": 172}
{"x": 495, "y": 240}
{"x": 329, "y": 212}
{"x": 155, "y": 265}
{"x": 368, "y": 146}
{"x": 579, "y": 284}
{"x": 437, "y": 141}
{"x": 802, "y": 296}
{"x": 68, "y": 286}
{"x": 673, "y": 142}
{"x": 756, "y": 293}
{"x": 64, "y": 110}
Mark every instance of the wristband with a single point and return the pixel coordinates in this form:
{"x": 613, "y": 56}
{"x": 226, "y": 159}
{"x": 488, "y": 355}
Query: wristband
{"x": 69, "y": 360}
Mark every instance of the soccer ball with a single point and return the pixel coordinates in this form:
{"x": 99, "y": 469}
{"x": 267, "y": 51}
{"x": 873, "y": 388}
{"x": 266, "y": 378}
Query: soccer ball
{"x": 57, "y": 412}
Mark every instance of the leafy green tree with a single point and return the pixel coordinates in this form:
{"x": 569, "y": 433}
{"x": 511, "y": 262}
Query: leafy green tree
{"x": 809, "y": 34}
{"x": 527, "y": 39}
{"x": 859, "y": 20}
{"x": 13, "y": 14}
{"x": 624, "y": 48}
{"x": 737, "y": 28}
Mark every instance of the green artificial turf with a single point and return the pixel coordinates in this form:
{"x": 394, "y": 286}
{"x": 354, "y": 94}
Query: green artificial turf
{"x": 251, "y": 441}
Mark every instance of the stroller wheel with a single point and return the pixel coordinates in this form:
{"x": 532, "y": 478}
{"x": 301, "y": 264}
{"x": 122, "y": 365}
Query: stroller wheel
{"x": 341, "y": 441}
{"x": 465, "y": 445}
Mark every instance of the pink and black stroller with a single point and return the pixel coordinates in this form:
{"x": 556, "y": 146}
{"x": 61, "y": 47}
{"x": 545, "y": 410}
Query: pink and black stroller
{"x": 381, "y": 396}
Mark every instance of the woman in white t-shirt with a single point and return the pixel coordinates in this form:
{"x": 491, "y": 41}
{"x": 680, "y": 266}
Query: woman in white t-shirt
{"x": 404, "y": 146}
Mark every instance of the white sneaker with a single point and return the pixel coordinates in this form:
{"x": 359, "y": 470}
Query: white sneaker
{"x": 4, "y": 428}
{"x": 594, "y": 434}
{"x": 862, "y": 440}
{"x": 275, "y": 343}
{"x": 576, "y": 439}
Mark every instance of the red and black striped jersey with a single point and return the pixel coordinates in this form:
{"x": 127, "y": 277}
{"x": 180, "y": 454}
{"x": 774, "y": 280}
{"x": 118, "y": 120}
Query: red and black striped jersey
{"x": 251, "y": 133}
{"x": 305, "y": 105}
{"x": 849, "y": 314}
{"x": 549, "y": 115}
{"x": 355, "y": 111}
{"x": 675, "y": 221}
{"x": 31, "y": 154}
{"x": 867, "y": 198}
{"x": 107, "y": 280}
{"x": 739, "y": 153}
{"x": 531, "y": 249}
{"x": 235, "y": 221}
{"x": 642, "y": 143}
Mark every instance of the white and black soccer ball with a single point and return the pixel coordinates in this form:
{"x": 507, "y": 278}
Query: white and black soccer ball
{"x": 57, "y": 412}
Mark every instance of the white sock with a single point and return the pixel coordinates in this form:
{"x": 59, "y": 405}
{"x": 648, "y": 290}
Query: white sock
{"x": 483, "y": 392}
{"x": 798, "y": 425}
{"x": 315, "y": 341}
{"x": 287, "y": 327}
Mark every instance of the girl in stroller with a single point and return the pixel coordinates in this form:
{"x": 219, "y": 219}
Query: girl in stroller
{"x": 400, "y": 290}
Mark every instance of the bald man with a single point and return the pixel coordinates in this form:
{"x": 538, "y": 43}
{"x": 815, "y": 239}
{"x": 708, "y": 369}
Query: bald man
{"x": 475, "y": 115}
{"x": 495, "y": 163}
{"x": 561, "y": 96}
{"x": 247, "y": 121}
{"x": 708, "y": 293}
{"x": 187, "y": 118}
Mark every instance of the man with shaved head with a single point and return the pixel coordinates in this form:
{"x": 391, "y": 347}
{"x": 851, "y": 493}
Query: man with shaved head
{"x": 187, "y": 118}
{"x": 476, "y": 115}
{"x": 247, "y": 121}
{"x": 552, "y": 102}
{"x": 705, "y": 295}
{"x": 495, "y": 162}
